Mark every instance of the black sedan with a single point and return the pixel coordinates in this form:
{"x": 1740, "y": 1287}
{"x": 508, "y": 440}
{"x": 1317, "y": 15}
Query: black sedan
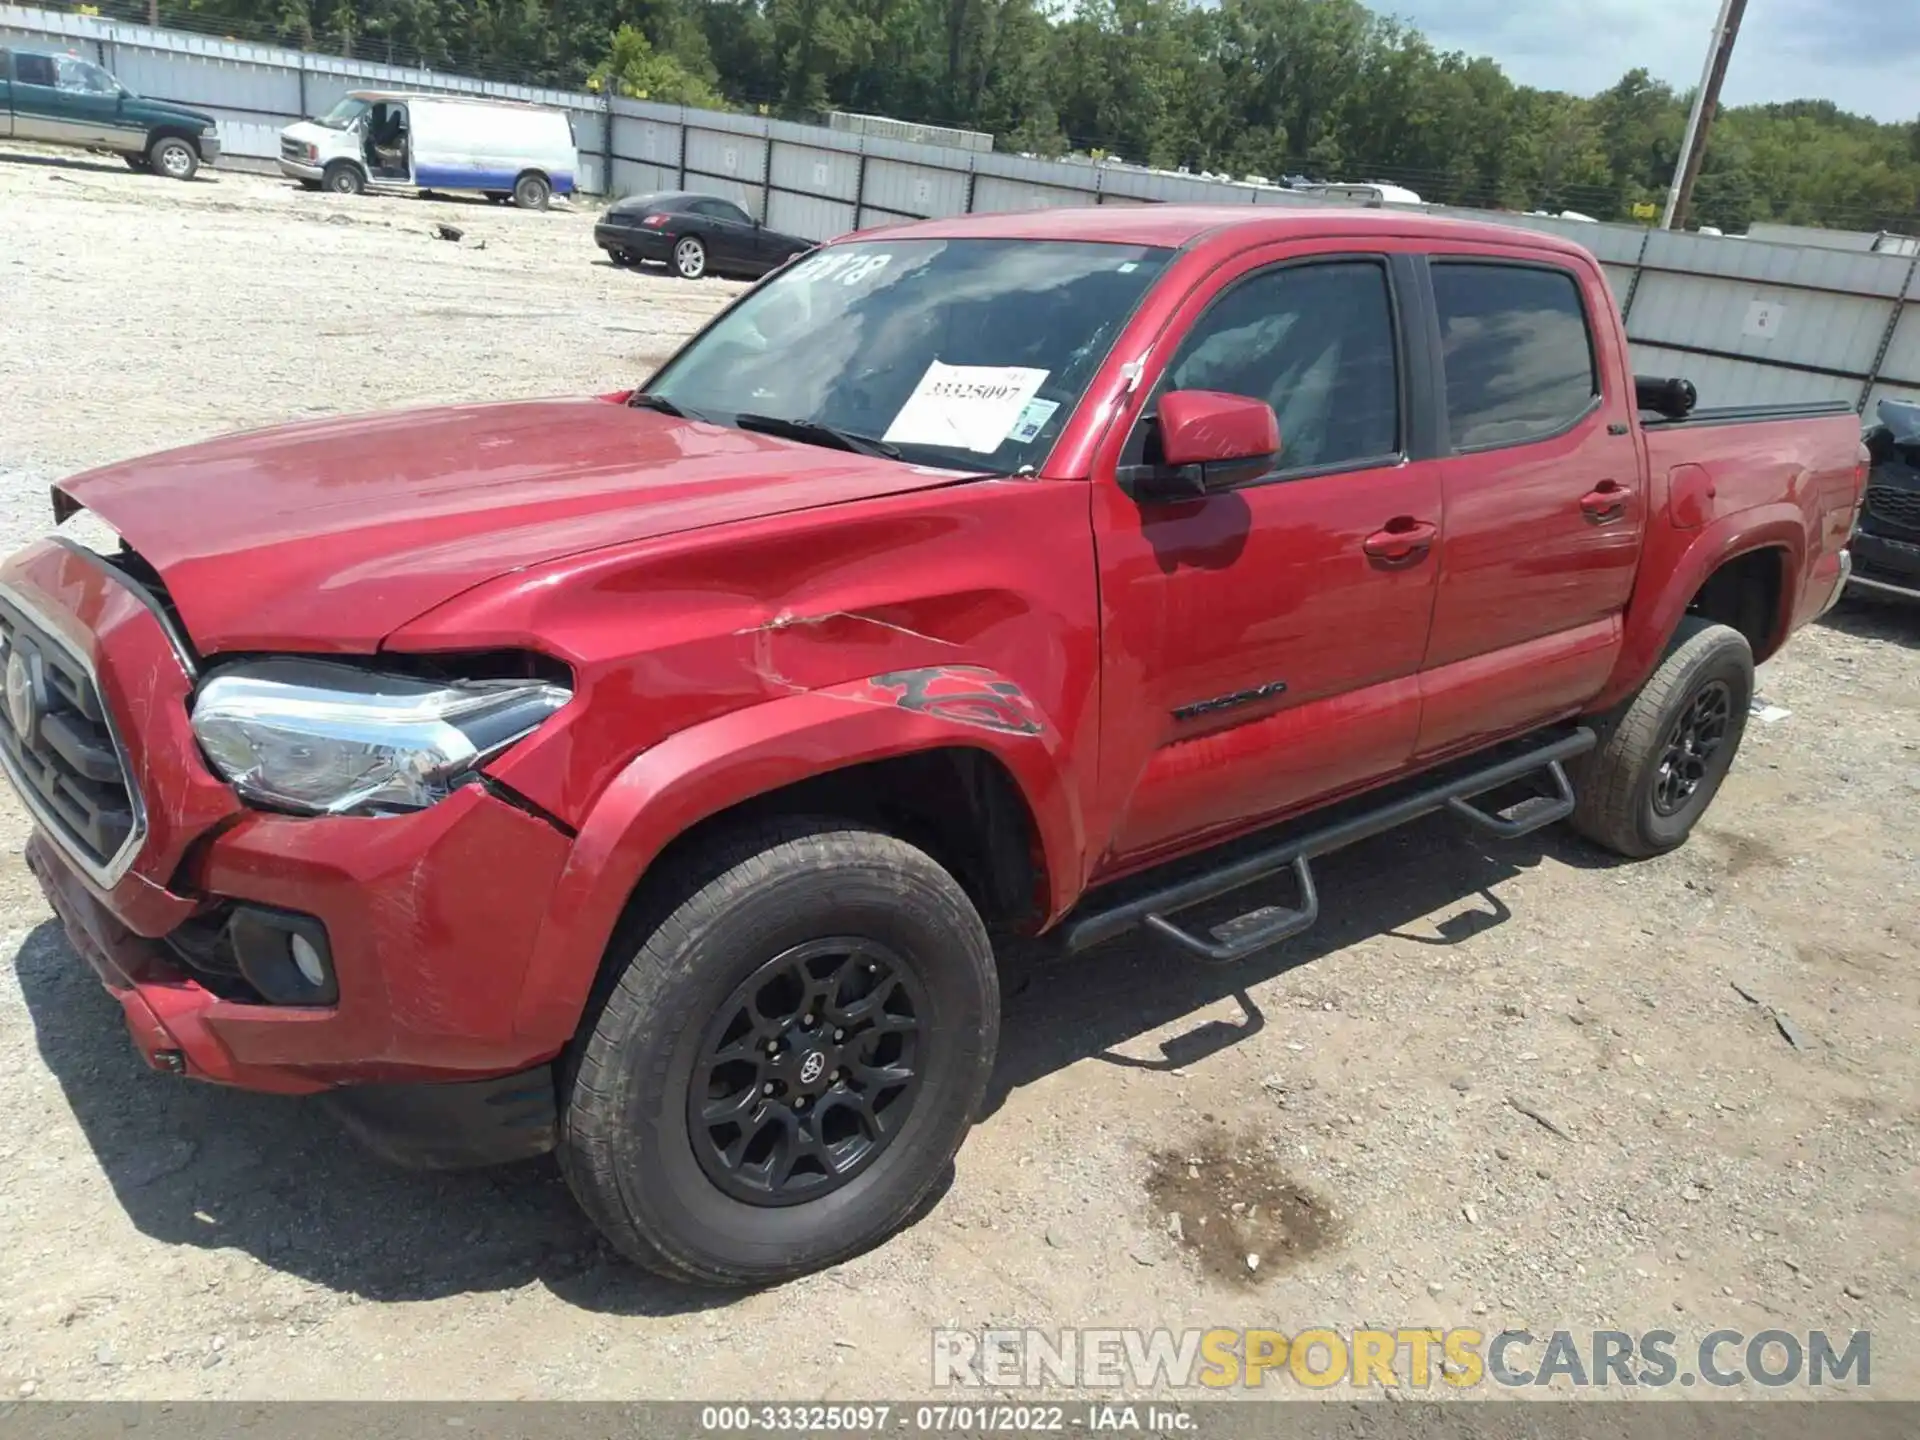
{"x": 694, "y": 235}
{"x": 1886, "y": 545}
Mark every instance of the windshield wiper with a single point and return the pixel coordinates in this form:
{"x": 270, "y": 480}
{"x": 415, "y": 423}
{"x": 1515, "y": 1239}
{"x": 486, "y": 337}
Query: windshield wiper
{"x": 815, "y": 433}
{"x": 641, "y": 400}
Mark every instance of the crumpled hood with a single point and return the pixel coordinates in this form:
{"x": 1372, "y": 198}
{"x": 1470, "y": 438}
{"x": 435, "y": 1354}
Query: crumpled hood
{"x": 330, "y": 535}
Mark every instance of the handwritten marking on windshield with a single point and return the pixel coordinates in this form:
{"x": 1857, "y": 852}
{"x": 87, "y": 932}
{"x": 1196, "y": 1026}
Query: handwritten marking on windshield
{"x": 847, "y": 267}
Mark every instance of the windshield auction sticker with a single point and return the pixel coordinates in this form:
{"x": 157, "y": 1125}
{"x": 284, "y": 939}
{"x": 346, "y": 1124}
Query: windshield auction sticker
{"x": 965, "y": 407}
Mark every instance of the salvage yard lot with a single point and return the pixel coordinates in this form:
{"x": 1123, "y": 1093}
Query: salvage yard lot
{"x": 1513, "y": 1086}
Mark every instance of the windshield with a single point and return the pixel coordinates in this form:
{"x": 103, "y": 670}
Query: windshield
{"x": 344, "y": 114}
{"x": 966, "y": 354}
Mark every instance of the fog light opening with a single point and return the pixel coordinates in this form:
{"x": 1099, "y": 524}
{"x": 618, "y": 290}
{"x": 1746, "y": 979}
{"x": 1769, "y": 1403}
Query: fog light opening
{"x": 284, "y": 955}
{"x": 307, "y": 961}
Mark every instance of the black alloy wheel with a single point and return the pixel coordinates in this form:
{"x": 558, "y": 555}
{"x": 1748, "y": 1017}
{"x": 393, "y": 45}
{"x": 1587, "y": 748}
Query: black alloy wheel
{"x": 807, "y": 1071}
{"x": 1699, "y": 732}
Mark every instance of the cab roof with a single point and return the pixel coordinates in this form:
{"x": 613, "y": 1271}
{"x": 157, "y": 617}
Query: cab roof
{"x": 1176, "y": 226}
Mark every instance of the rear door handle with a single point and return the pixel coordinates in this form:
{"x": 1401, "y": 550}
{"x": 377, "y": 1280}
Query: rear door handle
{"x": 1404, "y": 538}
{"x": 1606, "y": 501}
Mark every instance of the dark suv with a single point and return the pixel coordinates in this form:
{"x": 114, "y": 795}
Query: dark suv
{"x": 1886, "y": 547}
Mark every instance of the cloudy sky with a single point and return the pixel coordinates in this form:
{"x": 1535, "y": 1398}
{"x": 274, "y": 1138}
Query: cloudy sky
{"x": 1862, "y": 54}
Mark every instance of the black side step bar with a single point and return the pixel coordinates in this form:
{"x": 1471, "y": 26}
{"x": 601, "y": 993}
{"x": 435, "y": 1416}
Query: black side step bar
{"x": 1239, "y": 938}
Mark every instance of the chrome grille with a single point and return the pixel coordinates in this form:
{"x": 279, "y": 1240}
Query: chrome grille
{"x": 293, "y": 150}
{"x": 58, "y": 747}
{"x": 1899, "y": 508}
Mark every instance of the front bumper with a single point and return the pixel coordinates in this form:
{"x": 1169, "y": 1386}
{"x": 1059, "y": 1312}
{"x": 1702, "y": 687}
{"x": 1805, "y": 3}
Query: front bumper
{"x": 635, "y": 240}
{"x": 1886, "y": 566}
{"x": 431, "y": 918}
{"x": 209, "y": 145}
{"x": 300, "y": 170}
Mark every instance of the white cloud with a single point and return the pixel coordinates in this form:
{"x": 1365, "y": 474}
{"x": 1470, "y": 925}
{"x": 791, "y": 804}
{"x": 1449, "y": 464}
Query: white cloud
{"x": 1864, "y": 55}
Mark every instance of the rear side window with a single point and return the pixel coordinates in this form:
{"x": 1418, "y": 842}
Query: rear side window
{"x": 1316, "y": 342}
{"x": 1518, "y": 354}
{"x": 34, "y": 69}
{"x": 719, "y": 210}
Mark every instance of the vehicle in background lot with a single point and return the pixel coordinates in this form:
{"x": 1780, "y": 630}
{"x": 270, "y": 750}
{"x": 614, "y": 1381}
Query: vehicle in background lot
{"x": 640, "y": 777}
{"x": 1886, "y": 547}
{"x": 1372, "y": 192}
{"x": 694, "y": 235}
{"x": 60, "y": 99}
{"x": 502, "y": 149}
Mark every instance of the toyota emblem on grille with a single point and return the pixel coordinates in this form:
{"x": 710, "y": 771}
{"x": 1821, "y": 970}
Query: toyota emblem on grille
{"x": 23, "y": 692}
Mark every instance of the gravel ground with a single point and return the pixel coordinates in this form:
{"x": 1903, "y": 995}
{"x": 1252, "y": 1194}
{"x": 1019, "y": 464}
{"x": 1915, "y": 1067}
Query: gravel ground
{"x": 1501, "y": 1085}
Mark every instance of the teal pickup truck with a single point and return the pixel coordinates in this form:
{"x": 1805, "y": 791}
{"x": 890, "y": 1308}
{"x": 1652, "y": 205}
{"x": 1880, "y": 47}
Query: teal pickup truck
{"x": 64, "y": 100}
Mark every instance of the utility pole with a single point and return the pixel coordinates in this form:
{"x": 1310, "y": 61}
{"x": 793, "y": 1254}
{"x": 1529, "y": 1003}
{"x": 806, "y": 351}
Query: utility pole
{"x": 1705, "y": 103}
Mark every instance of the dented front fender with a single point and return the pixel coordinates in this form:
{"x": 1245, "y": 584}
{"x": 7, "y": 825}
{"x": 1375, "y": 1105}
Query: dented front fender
{"x": 709, "y": 768}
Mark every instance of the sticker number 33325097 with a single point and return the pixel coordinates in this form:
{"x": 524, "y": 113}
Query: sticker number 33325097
{"x": 966, "y": 407}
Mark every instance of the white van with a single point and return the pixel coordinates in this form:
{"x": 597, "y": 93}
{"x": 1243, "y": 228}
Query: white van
{"x": 1374, "y": 193}
{"x": 500, "y": 148}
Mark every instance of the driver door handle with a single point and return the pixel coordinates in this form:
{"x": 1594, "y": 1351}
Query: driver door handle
{"x": 1403, "y": 539}
{"x": 1606, "y": 501}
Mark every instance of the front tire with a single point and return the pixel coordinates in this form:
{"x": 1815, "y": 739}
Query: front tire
{"x": 173, "y": 157}
{"x": 802, "y": 1026}
{"x": 343, "y": 177}
{"x": 690, "y": 258}
{"x": 1659, "y": 765}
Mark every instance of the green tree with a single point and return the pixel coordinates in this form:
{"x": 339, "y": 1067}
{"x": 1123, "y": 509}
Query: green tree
{"x": 1271, "y": 87}
{"x": 633, "y": 68}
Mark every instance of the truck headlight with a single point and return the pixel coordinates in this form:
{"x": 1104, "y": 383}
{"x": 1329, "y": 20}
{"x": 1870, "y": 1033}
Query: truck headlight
{"x": 324, "y": 738}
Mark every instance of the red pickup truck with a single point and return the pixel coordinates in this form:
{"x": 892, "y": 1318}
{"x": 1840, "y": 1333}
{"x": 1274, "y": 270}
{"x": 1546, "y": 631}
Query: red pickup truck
{"x": 640, "y": 777}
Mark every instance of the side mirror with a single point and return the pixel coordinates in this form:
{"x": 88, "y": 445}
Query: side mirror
{"x": 1209, "y": 441}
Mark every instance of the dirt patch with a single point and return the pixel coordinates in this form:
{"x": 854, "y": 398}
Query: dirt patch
{"x": 1745, "y": 853}
{"x": 1229, "y": 1206}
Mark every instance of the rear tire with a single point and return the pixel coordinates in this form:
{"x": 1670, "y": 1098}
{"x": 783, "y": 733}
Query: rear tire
{"x": 1661, "y": 762}
{"x": 690, "y": 258}
{"x": 343, "y": 177}
{"x": 532, "y": 192}
{"x": 173, "y": 157}
{"x": 871, "y": 974}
